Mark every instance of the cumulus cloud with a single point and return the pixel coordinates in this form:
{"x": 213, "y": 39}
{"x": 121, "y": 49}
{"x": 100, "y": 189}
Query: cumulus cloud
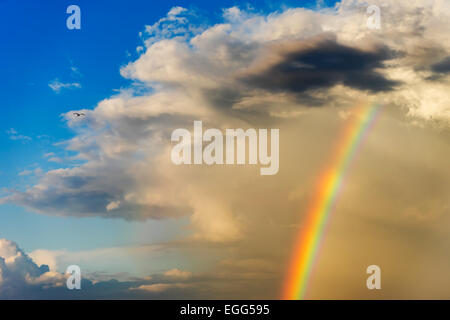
{"x": 19, "y": 274}
{"x": 243, "y": 72}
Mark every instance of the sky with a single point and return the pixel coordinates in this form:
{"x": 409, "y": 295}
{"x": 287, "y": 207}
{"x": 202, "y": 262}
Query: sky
{"x": 101, "y": 192}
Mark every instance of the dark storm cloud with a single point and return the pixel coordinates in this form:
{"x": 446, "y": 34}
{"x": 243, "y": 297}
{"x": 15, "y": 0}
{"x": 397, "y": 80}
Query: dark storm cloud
{"x": 442, "y": 66}
{"x": 322, "y": 64}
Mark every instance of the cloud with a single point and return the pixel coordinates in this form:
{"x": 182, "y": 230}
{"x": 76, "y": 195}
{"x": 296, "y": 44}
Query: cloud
{"x": 55, "y": 159}
{"x": 174, "y": 25}
{"x": 178, "y": 274}
{"x": 21, "y": 278}
{"x": 57, "y": 85}
{"x": 113, "y": 205}
{"x": 14, "y": 135}
{"x": 320, "y": 63}
{"x": 442, "y": 66}
{"x": 160, "y": 287}
{"x": 19, "y": 274}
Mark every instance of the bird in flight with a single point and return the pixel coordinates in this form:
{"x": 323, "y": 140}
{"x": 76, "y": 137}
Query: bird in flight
{"x": 78, "y": 114}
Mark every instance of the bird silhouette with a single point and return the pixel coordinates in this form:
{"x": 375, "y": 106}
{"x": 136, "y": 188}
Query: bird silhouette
{"x": 78, "y": 114}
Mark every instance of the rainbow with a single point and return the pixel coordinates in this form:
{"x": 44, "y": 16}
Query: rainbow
{"x": 327, "y": 193}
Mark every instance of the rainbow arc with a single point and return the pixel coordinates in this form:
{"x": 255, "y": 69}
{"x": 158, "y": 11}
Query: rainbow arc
{"x": 327, "y": 193}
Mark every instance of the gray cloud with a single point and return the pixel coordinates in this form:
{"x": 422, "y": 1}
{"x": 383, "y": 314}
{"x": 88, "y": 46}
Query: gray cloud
{"x": 320, "y": 64}
{"x": 442, "y": 66}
